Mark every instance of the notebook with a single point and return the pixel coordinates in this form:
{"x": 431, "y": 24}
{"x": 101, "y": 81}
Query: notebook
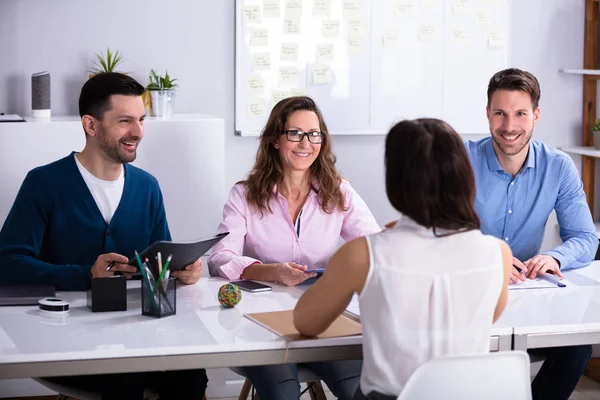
{"x": 282, "y": 323}
{"x": 24, "y": 295}
{"x": 541, "y": 282}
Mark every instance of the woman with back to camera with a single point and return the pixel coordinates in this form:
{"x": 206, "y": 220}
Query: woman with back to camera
{"x": 429, "y": 286}
{"x": 288, "y": 215}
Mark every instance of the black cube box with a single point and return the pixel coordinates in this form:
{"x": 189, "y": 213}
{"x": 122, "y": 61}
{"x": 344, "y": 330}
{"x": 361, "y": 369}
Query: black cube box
{"x": 108, "y": 294}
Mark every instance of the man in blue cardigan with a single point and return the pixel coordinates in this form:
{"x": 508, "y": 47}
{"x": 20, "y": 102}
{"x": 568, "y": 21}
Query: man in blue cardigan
{"x": 78, "y": 215}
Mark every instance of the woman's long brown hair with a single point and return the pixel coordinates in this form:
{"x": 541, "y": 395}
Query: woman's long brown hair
{"x": 268, "y": 171}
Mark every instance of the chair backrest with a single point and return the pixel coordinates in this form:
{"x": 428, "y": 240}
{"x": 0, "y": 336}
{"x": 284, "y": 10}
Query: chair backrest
{"x": 503, "y": 375}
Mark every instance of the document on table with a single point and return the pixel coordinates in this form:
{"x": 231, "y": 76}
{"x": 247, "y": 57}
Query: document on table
{"x": 353, "y": 308}
{"x": 541, "y": 282}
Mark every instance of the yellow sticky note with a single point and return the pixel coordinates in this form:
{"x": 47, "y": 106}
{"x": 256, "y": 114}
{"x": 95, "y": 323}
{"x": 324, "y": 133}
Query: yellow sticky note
{"x": 427, "y": 32}
{"x": 298, "y": 92}
{"x": 496, "y": 40}
{"x": 321, "y": 8}
{"x": 291, "y": 26}
{"x": 251, "y": 15}
{"x": 256, "y": 107}
{"x": 404, "y": 8}
{"x": 460, "y": 7}
{"x": 262, "y": 61}
{"x": 355, "y": 44}
{"x": 259, "y": 37}
{"x": 321, "y": 74}
{"x": 331, "y": 28}
{"x": 255, "y": 85}
{"x": 460, "y": 36}
{"x": 324, "y": 53}
{"x": 482, "y": 19}
{"x": 390, "y": 38}
{"x": 356, "y": 27}
{"x": 289, "y": 52}
{"x": 278, "y": 95}
{"x": 429, "y": 4}
{"x": 288, "y": 76}
{"x": 352, "y": 8}
{"x": 271, "y": 9}
{"x": 293, "y": 9}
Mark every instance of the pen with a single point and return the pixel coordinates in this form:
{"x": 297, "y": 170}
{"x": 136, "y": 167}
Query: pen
{"x": 110, "y": 265}
{"x": 519, "y": 269}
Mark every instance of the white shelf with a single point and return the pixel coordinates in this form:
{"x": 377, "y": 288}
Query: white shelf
{"x": 597, "y": 224}
{"x": 581, "y": 71}
{"x": 582, "y": 150}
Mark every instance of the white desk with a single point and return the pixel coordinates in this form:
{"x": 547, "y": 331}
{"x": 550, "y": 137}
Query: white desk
{"x": 558, "y": 316}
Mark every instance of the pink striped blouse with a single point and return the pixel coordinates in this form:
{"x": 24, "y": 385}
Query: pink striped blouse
{"x": 274, "y": 238}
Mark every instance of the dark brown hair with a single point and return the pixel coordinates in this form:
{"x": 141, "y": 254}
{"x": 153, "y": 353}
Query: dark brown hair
{"x": 267, "y": 170}
{"x": 428, "y": 175}
{"x": 515, "y": 79}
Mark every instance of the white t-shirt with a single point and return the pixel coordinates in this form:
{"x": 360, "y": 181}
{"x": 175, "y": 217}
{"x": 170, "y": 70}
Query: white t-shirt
{"x": 107, "y": 194}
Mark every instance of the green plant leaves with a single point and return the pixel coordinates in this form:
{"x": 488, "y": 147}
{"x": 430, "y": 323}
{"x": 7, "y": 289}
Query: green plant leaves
{"x": 107, "y": 61}
{"x": 157, "y": 82}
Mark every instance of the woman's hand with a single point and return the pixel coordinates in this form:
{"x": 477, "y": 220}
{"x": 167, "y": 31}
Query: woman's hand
{"x": 291, "y": 274}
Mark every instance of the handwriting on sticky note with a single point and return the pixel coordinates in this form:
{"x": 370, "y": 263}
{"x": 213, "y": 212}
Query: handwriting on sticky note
{"x": 256, "y": 107}
{"x": 352, "y": 8}
{"x": 390, "y": 38}
{"x": 482, "y": 19}
{"x": 356, "y": 27}
{"x": 291, "y": 26}
{"x": 289, "y": 52}
{"x": 298, "y": 92}
{"x": 271, "y": 9}
{"x": 321, "y": 8}
{"x": 404, "y": 8}
{"x": 331, "y": 28}
{"x": 460, "y": 7}
{"x": 262, "y": 61}
{"x": 355, "y": 44}
{"x": 324, "y": 53}
{"x": 460, "y": 36}
{"x": 255, "y": 85}
{"x": 259, "y": 37}
{"x": 427, "y": 32}
{"x": 321, "y": 74}
{"x": 288, "y": 76}
{"x": 278, "y": 95}
{"x": 429, "y": 4}
{"x": 251, "y": 14}
{"x": 496, "y": 40}
{"x": 293, "y": 9}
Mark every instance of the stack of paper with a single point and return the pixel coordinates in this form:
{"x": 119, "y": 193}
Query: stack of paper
{"x": 541, "y": 282}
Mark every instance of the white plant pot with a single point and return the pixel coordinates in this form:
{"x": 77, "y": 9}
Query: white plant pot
{"x": 162, "y": 102}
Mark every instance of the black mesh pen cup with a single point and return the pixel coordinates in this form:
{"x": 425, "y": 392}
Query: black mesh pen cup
{"x": 159, "y": 299}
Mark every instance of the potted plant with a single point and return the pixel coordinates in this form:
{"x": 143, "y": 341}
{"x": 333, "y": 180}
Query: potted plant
{"x": 162, "y": 93}
{"x": 106, "y": 62}
{"x": 596, "y": 130}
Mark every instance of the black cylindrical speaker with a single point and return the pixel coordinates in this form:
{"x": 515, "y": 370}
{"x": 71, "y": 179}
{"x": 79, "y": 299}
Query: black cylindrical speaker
{"x": 40, "y": 95}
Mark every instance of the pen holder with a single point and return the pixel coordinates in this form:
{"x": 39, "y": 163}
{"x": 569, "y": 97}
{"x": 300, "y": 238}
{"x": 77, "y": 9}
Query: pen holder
{"x": 107, "y": 294}
{"x": 159, "y": 300}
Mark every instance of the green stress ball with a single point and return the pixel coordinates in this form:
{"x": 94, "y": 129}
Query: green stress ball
{"x": 229, "y": 295}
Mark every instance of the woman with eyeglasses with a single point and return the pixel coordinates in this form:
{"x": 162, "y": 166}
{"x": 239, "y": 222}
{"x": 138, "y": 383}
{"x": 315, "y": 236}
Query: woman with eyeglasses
{"x": 287, "y": 217}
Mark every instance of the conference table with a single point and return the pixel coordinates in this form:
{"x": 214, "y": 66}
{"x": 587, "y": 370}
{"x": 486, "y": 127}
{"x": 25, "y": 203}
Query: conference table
{"x": 203, "y": 334}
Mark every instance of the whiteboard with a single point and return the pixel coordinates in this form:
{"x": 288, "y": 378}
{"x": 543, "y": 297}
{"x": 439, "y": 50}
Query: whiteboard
{"x": 370, "y": 63}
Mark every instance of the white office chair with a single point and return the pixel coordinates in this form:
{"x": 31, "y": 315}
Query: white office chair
{"x": 494, "y": 376}
{"x": 313, "y": 382}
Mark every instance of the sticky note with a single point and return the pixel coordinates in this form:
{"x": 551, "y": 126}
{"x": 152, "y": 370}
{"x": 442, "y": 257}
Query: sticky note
{"x": 460, "y": 7}
{"x": 331, "y": 28}
{"x": 496, "y": 40}
{"x": 351, "y": 8}
{"x": 427, "y": 32}
{"x": 482, "y": 19}
{"x": 262, "y": 61}
{"x": 356, "y": 27}
{"x": 298, "y": 92}
{"x": 291, "y": 26}
{"x": 321, "y": 8}
{"x": 288, "y": 76}
{"x": 278, "y": 95}
{"x": 256, "y": 107}
{"x": 321, "y": 74}
{"x": 429, "y": 4}
{"x": 289, "y": 52}
{"x": 259, "y": 37}
{"x": 390, "y": 38}
{"x": 460, "y": 36}
{"x": 293, "y": 9}
{"x": 324, "y": 53}
{"x": 251, "y": 14}
{"x": 404, "y": 8}
{"x": 255, "y": 85}
{"x": 271, "y": 9}
{"x": 355, "y": 44}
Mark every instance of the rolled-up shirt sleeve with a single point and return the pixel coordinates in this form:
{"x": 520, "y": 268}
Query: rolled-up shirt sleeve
{"x": 226, "y": 259}
{"x": 358, "y": 219}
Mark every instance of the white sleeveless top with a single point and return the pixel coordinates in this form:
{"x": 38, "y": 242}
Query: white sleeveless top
{"x": 425, "y": 297}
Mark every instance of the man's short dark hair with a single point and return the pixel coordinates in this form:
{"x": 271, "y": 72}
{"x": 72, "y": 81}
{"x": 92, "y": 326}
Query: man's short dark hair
{"x": 95, "y": 94}
{"x": 515, "y": 79}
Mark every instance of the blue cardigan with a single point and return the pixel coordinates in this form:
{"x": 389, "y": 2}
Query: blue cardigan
{"x": 55, "y": 232}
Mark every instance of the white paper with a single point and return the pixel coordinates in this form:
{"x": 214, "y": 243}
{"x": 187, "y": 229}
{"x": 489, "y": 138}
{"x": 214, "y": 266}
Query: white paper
{"x": 404, "y": 8}
{"x": 262, "y": 61}
{"x": 255, "y": 85}
{"x": 291, "y": 26}
{"x": 271, "y": 9}
{"x": 289, "y": 52}
{"x": 288, "y": 76}
{"x": 356, "y": 27}
{"x": 496, "y": 40}
{"x": 460, "y": 36}
{"x": 482, "y": 19}
{"x": 355, "y": 44}
{"x": 293, "y": 9}
{"x": 352, "y": 8}
{"x": 460, "y": 7}
{"x": 427, "y": 32}
{"x": 541, "y": 282}
{"x": 259, "y": 37}
{"x": 298, "y": 92}
{"x": 321, "y": 74}
{"x": 331, "y": 28}
{"x": 251, "y": 15}
{"x": 324, "y": 53}
{"x": 390, "y": 38}
{"x": 278, "y": 95}
{"x": 321, "y": 8}
{"x": 256, "y": 107}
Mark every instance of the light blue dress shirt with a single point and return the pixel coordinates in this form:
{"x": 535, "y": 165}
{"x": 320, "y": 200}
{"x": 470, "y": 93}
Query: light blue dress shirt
{"x": 516, "y": 209}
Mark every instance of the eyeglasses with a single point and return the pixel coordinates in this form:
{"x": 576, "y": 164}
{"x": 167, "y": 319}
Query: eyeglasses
{"x": 297, "y": 136}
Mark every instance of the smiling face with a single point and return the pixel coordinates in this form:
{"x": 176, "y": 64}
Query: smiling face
{"x": 299, "y": 156}
{"x": 511, "y": 118}
{"x": 121, "y": 128}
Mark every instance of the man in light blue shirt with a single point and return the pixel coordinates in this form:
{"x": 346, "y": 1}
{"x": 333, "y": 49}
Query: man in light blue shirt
{"x": 519, "y": 182}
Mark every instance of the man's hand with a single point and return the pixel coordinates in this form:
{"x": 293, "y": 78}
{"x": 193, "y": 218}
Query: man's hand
{"x": 118, "y": 262}
{"x": 191, "y": 274}
{"x": 291, "y": 274}
{"x": 541, "y": 264}
{"x": 516, "y": 275}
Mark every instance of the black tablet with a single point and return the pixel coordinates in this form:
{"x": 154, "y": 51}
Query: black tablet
{"x": 183, "y": 253}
